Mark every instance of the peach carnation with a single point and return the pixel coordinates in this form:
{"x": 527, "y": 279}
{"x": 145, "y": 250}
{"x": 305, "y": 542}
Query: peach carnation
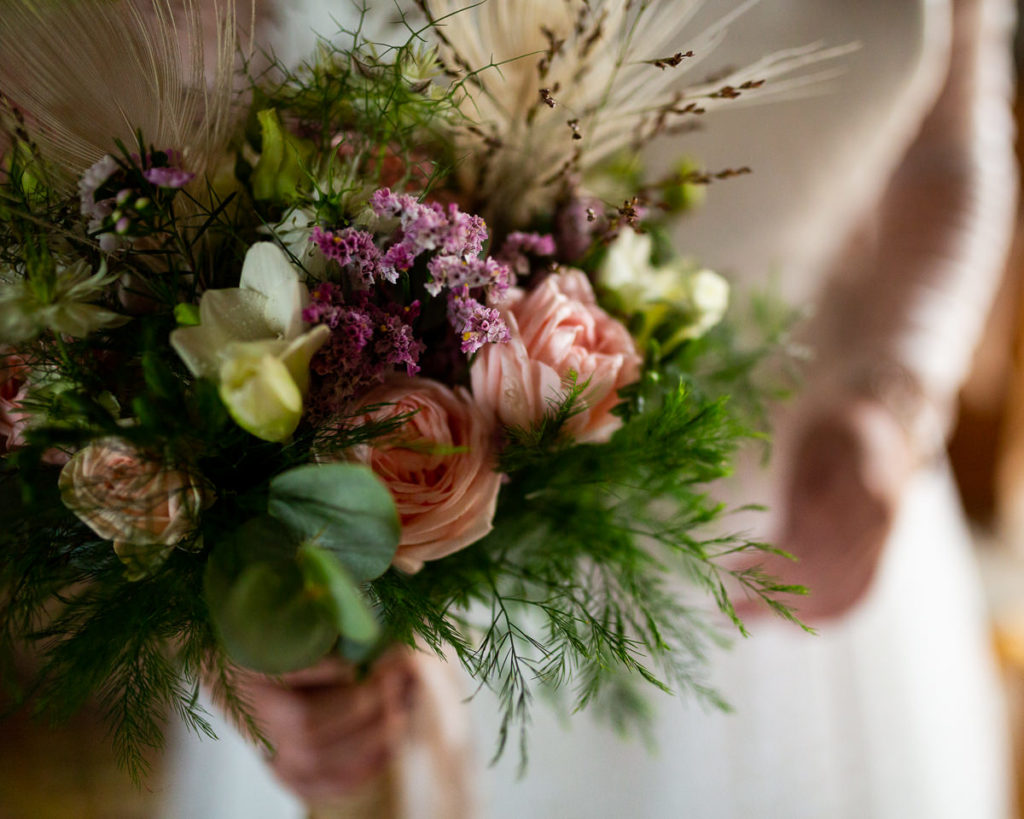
{"x": 131, "y": 498}
{"x": 557, "y": 328}
{"x": 445, "y": 498}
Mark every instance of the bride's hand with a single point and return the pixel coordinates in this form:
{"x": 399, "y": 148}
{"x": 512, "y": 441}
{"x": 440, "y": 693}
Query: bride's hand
{"x": 850, "y": 468}
{"x": 330, "y": 732}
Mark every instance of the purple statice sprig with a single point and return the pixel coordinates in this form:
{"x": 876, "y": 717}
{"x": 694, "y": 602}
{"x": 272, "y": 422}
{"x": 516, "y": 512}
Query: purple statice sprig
{"x": 519, "y": 248}
{"x": 354, "y": 251}
{"x": 475, "y": 323}
{"x": 448, "y": 243}
{"x": 368, "y": 341}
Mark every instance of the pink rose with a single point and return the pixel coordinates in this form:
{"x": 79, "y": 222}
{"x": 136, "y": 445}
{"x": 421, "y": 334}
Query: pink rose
{"x": 445, "y": 499}
{"x": 557, "y": 328}
{"x": 132, "y": 498}
{"x": 14, "y": 380}
{"x": 13, "y": 388}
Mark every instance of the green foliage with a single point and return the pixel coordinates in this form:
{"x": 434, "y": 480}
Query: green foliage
{"x": 352, "y": 617}
{"x": 136, "y": 649}
{"x": 343, "y": 508}
{"x": 582, "y": 582}
{"x": 260, "y": 603}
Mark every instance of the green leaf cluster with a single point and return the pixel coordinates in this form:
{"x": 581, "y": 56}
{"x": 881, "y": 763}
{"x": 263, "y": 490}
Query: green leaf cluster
{"x": 586, "y": 584}
{"x": 283, "y": 588}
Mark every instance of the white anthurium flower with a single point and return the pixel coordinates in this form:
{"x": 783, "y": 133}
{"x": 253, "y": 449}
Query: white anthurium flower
{"x": 251, "y": 339}
{"x": 25, "y": 312}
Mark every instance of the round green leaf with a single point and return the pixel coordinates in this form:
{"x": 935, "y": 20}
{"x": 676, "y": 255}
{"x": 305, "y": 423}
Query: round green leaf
{"x": 343, "y": 508}
{"x": 266, "y": 617}
{"x": 269, "y": 622}
{"x": 344, "y": 600}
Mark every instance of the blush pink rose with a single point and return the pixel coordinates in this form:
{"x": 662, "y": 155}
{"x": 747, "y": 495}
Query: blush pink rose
{"x": 14, "y": 381}
{"x": 126, "y": 495}
{"x": 13, "y": 389}
{"x": 445, "y": 499}
{"x": 557, "y": 328}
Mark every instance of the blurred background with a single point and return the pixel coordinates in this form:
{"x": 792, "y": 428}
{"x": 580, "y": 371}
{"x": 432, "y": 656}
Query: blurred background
{"x": 987, "y": 452}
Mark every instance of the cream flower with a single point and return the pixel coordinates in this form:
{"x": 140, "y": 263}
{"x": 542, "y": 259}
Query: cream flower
{"x": 693, "y": 301}
{"x": 251, "y": 339}
{"x": 28, "y": 307}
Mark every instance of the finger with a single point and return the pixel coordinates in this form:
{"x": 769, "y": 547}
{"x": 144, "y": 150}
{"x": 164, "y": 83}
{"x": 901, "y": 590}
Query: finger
{"x": 344, "y": 763}
{"x": 333, "y": 713}
{"x": 329, "y": 671}
{"x": 344, "y": 781}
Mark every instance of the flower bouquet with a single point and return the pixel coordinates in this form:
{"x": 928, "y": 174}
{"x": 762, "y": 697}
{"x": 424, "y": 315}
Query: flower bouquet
{"x": 391, "y": 348}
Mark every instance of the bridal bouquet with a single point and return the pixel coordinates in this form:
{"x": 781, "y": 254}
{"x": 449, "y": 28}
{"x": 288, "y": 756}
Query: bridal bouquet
{"x": 391, "y": 348}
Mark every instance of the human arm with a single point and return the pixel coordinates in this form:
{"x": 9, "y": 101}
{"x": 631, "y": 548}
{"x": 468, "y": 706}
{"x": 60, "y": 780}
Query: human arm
{"x": 899, "y": 321}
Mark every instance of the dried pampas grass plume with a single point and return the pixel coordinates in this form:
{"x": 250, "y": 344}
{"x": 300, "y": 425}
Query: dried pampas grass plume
{"x": 598, "y": 77}
{"x": 86, "y": 73}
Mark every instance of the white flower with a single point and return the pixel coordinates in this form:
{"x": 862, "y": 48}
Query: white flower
{"x": 294, "y": 232}
{"x": 694, "y": 301}
{"x": 252, "y": 340}
{"x": 627, "y": 270}
{"x": 28, "y": 308}
{"x": 262, "y": 382}
{"x": 709, "y": 297}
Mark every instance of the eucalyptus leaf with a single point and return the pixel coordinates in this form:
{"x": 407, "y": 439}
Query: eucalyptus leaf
{"x": 261, "y": 606}
{"x": 269, "y": 622}
{"x": 342, "y": 597}
{"x": 343, "y": 508}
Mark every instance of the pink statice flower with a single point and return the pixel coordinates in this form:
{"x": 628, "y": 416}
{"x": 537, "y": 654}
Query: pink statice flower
{"x": 476, "y": 323}
{"x": 442, "y": 241}
{"x": 424, "y": 227}
{"x": 168, "y": 177}
{"x": 456, "y": 273}
{"x": 354, "y": 251}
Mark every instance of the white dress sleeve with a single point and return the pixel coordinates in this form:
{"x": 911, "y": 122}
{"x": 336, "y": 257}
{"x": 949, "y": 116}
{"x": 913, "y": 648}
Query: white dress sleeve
{"x": 913, "y": 287}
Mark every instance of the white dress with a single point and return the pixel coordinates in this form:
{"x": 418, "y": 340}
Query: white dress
{"x": 894, "y": 712}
